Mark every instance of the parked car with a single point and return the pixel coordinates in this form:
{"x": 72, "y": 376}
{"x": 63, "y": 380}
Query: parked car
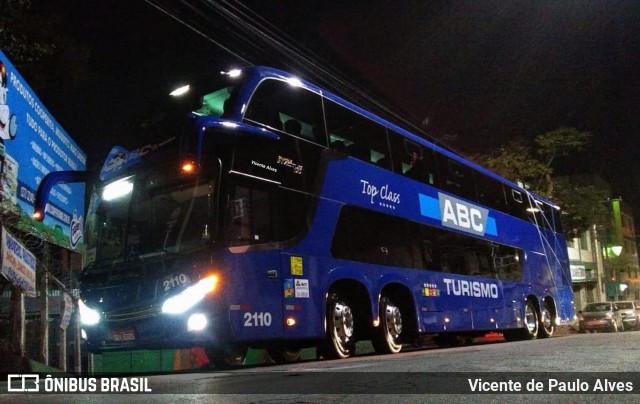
{"x": 601, "y": 316}
{"x": 630, "y": 318}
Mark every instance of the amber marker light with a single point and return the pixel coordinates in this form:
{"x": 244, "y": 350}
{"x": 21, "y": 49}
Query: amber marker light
{"x": 37, "y": 215}
{"x": 188, "y": 167}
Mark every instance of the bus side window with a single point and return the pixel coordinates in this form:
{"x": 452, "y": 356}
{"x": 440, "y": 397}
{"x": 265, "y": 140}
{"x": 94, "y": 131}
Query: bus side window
{"x": 540, "y": 214}
{"x": 249, "y": 217}
{"x": 557, "y": 221}
{"x": 294, "y": 110}
{"x": 455, "y": 177}
{"x": 507, "y": 262}
{"x": 367, "y": 236}
{"x": 412, "y": 160}
{"x": 355, "y": 135}
{"x": 516, "y": 203}
{"x": 490, "y": 192}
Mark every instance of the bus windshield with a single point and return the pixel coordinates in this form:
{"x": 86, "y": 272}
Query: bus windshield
{"x": 148, "y": 214}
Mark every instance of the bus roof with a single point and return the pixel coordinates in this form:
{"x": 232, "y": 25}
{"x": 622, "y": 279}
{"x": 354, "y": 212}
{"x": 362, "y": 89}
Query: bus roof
{"x": 258, "y": 73}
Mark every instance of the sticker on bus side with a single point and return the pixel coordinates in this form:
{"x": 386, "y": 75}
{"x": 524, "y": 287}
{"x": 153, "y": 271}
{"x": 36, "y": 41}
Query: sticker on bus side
{"x": 295, "y": 264}
{"x": 381, "y": 195}
{"x": 457, "y": 214}
{"x": 289, "y": 290}
{"x": 302, "y": 288}
{"x": 430, "y": 290}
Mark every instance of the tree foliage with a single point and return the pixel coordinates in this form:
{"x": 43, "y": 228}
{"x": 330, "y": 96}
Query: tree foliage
{"x": 532, "y": 163}
{"x": 556, "y": 144}
{"x": 515, "y": 161}
{"x": 23, "y": 35}
{"x": 36, "y": 40}
{"x": 582, "y": 201}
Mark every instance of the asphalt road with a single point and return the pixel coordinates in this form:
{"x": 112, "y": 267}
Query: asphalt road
{"x": 575, "y": 368}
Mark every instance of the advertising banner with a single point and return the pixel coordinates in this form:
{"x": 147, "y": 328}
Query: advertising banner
{"x": 32, "y": 144}
{"x": 18, "y": 264}
{"x": 68, "y": 309}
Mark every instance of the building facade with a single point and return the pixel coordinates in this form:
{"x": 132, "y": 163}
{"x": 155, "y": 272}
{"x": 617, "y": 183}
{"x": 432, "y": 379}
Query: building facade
{"x": 586, "y": 268}
{"x": 620, "y": 255}
{"x": 604, "y": 265}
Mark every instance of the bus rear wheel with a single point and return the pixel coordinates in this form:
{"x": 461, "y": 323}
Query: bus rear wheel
{"x": 547, "y": 320}
{"x": 388, "y": 335}
{"x": 339, "y": 342}
{"x": 531, "y": 325}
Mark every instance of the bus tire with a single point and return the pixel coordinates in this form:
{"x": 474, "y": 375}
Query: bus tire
{"x": 229, "y": 356}
{"x": 387, "y": 338}
{"x": 531, "y": 325}
{"x": 547, "y": 320}
{"x": 284, "y": 355}
{"x": 531, "y": 321}
{"x": 339, "y": 342}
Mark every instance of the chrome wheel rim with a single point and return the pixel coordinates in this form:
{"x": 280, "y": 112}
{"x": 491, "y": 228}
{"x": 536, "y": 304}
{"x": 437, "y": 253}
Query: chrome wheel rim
{"x": 342, "y": 323}
{"x": 530, "y": 319}
{"x": 393, "y": 321}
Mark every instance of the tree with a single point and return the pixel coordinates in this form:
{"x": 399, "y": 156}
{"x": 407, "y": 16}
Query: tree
{"x": 36, "y": 40}
{"x": 514, "y": 161}
{"x": 532, "y": 163}
{"x": 582, "y": 199}
{"x": 555, "y": 144}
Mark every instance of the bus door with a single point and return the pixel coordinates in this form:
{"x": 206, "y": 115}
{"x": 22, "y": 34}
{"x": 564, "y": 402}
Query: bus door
{"x": 255, "y": 290}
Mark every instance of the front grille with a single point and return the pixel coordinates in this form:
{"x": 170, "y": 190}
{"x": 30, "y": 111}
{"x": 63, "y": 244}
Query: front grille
{"x": 136, "y": 313}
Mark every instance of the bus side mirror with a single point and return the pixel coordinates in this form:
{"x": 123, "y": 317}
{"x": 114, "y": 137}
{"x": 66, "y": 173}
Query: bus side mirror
{"x": 49, "y": 180}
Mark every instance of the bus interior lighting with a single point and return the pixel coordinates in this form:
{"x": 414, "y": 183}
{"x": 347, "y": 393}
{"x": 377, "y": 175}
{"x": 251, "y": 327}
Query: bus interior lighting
{"x": 232, "y": 73}
{"x": 180, "y": 91}
{"x": 294, "y": 82}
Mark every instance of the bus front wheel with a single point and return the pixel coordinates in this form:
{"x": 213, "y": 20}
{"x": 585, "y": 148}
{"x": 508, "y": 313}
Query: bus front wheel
{"x": 388, "y": 335}
{"x": 227, "y": 357}
{"x": 340, "y": 342}
{"x": 281, "y": 354}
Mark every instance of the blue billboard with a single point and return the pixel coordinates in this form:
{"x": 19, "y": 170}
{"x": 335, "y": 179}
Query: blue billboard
{"x": 32, "y": 144}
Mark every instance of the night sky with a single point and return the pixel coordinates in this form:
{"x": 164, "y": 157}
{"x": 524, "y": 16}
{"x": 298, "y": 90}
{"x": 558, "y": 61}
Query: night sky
{"x": 479, "y": 72}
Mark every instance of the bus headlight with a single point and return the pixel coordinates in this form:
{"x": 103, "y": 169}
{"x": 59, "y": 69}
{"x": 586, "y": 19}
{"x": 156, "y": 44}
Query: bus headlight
{"x": 88, "y": 315}
{"x": 189, "y": 297}
{"x": 197, "y": 322}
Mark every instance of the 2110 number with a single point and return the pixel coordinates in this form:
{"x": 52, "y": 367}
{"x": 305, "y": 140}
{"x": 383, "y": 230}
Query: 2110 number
{"x": 257, "y": 319}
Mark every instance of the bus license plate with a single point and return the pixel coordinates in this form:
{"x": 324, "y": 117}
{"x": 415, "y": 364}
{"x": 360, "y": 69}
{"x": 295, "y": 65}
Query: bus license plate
{"x": 123, "y": 334}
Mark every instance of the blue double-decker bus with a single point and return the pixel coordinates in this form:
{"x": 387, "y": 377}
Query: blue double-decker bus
{"x": 273, "y": 214}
